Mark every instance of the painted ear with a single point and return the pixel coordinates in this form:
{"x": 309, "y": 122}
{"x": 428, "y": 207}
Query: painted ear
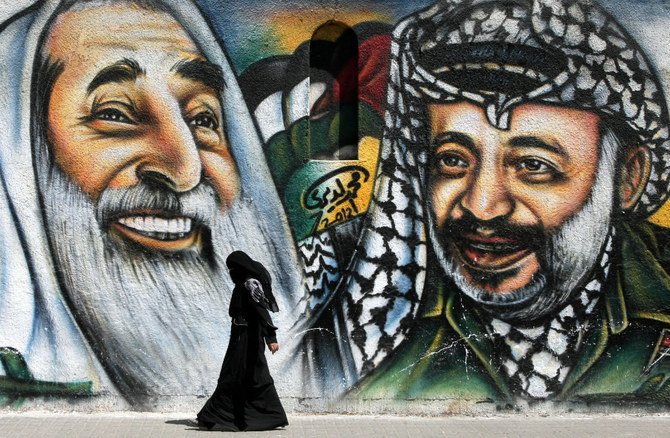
{"x": 634, "y": 176}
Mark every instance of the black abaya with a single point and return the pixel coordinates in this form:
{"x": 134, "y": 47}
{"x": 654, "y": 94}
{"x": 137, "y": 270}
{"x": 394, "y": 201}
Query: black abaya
{"x": 245, "y": 397}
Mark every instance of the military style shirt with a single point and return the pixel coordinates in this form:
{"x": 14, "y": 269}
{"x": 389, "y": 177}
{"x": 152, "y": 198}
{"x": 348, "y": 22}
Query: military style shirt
{"x": 625, "y": 356}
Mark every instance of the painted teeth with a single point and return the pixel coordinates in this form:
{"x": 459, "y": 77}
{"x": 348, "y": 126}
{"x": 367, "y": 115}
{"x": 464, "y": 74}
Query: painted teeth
{"x": 154, "y": 225}
{"x": 494, "y": 247}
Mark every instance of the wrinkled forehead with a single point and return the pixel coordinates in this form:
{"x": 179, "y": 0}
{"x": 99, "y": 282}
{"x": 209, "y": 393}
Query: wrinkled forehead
{"x": 86, "y": 34}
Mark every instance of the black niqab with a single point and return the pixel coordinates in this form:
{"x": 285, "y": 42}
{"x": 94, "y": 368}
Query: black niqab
{"x": 242, "y": 267}
{"x": 245, "y": 397}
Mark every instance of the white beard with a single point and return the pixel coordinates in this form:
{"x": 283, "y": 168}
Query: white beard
{"x": 158, "y": 322}
{"x": 572, "y": 252}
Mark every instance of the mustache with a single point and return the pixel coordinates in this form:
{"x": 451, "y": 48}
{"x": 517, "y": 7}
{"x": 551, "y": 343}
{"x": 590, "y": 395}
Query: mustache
{"x": 532, "y": 236}
{"x": 201, "y": 204}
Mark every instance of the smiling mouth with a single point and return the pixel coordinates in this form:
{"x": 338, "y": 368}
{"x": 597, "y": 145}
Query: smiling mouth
{"x": 491, "y": 253}
{"x": 158, "y": 232}
{"x": 157, "y": 227}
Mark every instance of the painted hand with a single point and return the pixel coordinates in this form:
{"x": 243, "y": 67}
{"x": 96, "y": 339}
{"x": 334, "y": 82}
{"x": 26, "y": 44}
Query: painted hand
{"x": 273, "y": 347}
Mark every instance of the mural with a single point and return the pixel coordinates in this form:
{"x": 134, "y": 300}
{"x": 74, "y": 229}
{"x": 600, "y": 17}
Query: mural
{"x": 460, "y": 201}
{"x": 129, "y": 166}
{"x": 505, "y": 255}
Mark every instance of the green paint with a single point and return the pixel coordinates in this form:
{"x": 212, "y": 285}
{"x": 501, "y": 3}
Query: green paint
{"x": 20, "y": 384}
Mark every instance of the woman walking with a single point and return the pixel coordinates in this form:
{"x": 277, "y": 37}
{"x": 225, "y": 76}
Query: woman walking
{"x": 245, "y": 397}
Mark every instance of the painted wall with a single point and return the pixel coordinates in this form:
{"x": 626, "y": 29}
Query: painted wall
{"x": 462, "y": 205}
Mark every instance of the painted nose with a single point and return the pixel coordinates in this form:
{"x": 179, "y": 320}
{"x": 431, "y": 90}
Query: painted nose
{"x": 488, "y": 198}
{"x": 174, "y": 160}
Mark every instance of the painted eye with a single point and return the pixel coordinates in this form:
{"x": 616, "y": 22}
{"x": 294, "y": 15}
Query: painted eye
{"x": 534, "y": 165}
{"x": 534, "y": 170}
{"x": 451, "y": 165}
{"x": 450, "y": 160}
{"x": 204, "y": 120}
{"x": 112, "y": 115}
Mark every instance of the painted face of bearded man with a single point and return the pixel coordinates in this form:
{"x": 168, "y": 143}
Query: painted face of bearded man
{"x": 141, "y": 192}
{"x": 508, "y": 163}
{"x": 521, "y": 193}
{"x": 522, "y": 215}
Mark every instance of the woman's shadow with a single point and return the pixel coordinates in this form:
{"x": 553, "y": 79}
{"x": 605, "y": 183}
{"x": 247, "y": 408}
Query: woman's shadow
{"x": 193, "y": 425}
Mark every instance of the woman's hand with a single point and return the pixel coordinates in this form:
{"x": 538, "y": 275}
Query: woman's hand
{"x": 273, "y": 347}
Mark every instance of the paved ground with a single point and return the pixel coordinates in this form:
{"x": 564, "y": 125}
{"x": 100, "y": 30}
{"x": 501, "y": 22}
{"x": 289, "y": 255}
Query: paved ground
{"x": 174, "y": 425}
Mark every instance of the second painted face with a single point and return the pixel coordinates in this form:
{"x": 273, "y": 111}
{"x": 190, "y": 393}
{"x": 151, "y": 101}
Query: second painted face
{"x": 136, "y": 101}
{"x": 496, "y": 194}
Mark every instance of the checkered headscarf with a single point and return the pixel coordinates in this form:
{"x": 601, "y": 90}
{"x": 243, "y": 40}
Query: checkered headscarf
{"x": 568, "y": 53}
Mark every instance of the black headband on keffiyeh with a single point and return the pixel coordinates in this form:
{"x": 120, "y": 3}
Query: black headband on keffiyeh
{"x": 496, "y": 55}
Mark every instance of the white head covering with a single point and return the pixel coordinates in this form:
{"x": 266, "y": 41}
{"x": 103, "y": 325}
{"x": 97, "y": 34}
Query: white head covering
{"x": 34, "y": 317}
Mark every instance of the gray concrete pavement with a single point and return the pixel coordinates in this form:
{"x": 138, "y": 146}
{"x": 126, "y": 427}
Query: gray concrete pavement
{"x": 46, "y": 425}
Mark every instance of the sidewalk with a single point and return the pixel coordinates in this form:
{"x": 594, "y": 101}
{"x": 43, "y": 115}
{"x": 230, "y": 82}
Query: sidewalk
{"x": 46, "y": 425}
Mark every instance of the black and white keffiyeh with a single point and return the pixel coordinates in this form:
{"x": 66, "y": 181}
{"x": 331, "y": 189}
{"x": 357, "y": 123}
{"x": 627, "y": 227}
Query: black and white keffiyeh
{"x": 537, "y": 358}
{"x": 568, "y": 53}
{"x": 321, "y": 271}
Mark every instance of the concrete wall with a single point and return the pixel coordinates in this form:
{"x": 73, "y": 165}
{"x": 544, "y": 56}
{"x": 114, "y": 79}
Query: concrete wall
{"x": 466, "y": 215}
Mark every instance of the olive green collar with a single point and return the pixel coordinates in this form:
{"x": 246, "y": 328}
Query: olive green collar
{"x": 642, "y": 288}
